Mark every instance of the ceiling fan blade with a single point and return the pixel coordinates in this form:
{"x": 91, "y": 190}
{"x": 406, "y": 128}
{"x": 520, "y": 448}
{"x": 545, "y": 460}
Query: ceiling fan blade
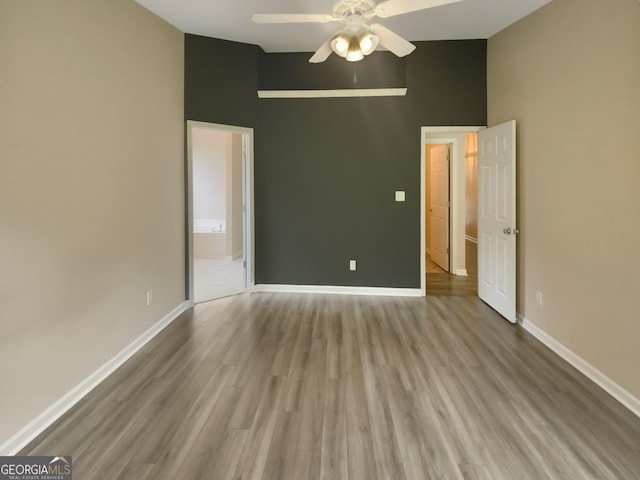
{"x": 292, "y": 18}
{"x": 391, "y": 8}
{"x": 323, "y": 53}
{"x": 394, "y": 42}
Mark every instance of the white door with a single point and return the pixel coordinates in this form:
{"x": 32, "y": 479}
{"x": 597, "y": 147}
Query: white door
{"x": 497, "y": 218}
{"x": 245, "y": 216}
{"x": 440, "y": 206}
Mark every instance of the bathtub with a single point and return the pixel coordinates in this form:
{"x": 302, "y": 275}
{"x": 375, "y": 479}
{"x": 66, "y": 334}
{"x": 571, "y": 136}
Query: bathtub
{"x": 209, "y": 238}
{"x": 209, "y": 225}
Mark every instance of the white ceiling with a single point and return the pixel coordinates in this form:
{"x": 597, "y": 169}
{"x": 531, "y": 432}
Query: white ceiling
{"x": 231, "y": 20}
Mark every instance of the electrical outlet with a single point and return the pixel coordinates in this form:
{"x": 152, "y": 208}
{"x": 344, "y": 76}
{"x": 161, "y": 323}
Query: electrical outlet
{"x": 149, "y": 298}
{"x": 352, "y": 265}
{"x": 539, "y": 297}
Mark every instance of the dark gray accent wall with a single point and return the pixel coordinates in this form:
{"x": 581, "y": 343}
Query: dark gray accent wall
{"x": 448, "y": 83}
{"x": 221, "y": 80}
{"x": 382, "y": 70}
{"x": 326, "y": 169}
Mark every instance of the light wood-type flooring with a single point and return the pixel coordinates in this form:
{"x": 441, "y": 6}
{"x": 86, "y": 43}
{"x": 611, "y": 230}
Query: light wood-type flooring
{"x": 440, "y": 282}
{"x": 292, "y": 387}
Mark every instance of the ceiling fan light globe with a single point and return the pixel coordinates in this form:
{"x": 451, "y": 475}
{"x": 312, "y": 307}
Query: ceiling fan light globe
{"x": 340, "y": 45}
{"x": 354, "y": 56}
{"x": 368, "y": 43}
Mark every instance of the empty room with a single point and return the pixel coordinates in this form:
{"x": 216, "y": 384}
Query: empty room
{"x": 358, "y": 329}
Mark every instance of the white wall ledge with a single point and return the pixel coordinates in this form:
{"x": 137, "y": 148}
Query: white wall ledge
{"x": 344, "y": 93}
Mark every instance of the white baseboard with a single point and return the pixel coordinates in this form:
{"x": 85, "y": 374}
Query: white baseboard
{"x": 236, "y": 256}
{"x": 45, "y": 419}
{"x": 379, "y": 291}
{"x": 462, "y": 272}
{"x": 471, "y": 239}
{"x": 595, "y": 375}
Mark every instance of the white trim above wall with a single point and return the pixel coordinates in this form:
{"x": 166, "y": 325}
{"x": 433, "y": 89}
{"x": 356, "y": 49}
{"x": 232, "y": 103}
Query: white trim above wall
{"x": 54, "y": 412}
{"x": 592, "y": 373}
{"x": 337, "y": 290}
{"x": 345, "y": 93}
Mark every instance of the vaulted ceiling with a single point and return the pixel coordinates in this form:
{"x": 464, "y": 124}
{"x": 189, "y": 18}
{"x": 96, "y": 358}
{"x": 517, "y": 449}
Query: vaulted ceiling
{"x": 231, "y": 20}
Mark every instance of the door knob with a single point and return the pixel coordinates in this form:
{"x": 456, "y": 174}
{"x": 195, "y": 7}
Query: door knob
{"x": 508, "y": 231}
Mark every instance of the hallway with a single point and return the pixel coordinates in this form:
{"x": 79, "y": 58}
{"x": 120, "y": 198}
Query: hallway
{"x": 445, "y": 284}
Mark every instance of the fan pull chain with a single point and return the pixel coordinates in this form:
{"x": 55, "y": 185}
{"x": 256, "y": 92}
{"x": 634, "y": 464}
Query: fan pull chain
{"x": 355, "y": 73}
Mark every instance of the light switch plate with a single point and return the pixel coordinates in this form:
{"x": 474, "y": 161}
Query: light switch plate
{"x": 352, "y": 265}
{"x": 399, "y": 196}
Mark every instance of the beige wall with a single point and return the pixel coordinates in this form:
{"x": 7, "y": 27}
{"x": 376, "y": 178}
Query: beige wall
{"x": 91, "y": 191}
{"x": 211, "y": 153}
{"x": 570, "y": 75}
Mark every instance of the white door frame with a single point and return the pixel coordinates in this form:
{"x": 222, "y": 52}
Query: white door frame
{"x": 248, "y": 227}
{"x": 455, "y": 137}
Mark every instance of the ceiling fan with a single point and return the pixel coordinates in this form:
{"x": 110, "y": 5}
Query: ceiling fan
{"x": 357, "y": 38}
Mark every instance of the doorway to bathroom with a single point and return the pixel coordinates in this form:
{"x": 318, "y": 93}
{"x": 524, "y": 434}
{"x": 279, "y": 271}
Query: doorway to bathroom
{"x": 219, "y": 226}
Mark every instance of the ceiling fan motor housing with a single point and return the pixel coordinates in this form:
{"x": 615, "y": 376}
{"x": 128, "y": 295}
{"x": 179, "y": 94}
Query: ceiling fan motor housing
{"x": 364, "y": 9}
{"x": 356, "y": 40}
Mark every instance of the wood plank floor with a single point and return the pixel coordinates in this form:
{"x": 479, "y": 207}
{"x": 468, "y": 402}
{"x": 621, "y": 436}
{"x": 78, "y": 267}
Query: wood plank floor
{"x": 443, "y": 283}
{"x": 290, "y": 387}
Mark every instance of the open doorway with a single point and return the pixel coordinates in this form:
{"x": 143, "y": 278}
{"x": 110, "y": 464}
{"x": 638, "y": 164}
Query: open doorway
{"x": 449, "y": 211}
{"x": 219, "y": 246}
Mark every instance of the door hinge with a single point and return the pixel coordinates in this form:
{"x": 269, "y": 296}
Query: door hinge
{"x": 448, "y": 204}
{"x": 447, "y": 250}
{"x": 244, "y": 264}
